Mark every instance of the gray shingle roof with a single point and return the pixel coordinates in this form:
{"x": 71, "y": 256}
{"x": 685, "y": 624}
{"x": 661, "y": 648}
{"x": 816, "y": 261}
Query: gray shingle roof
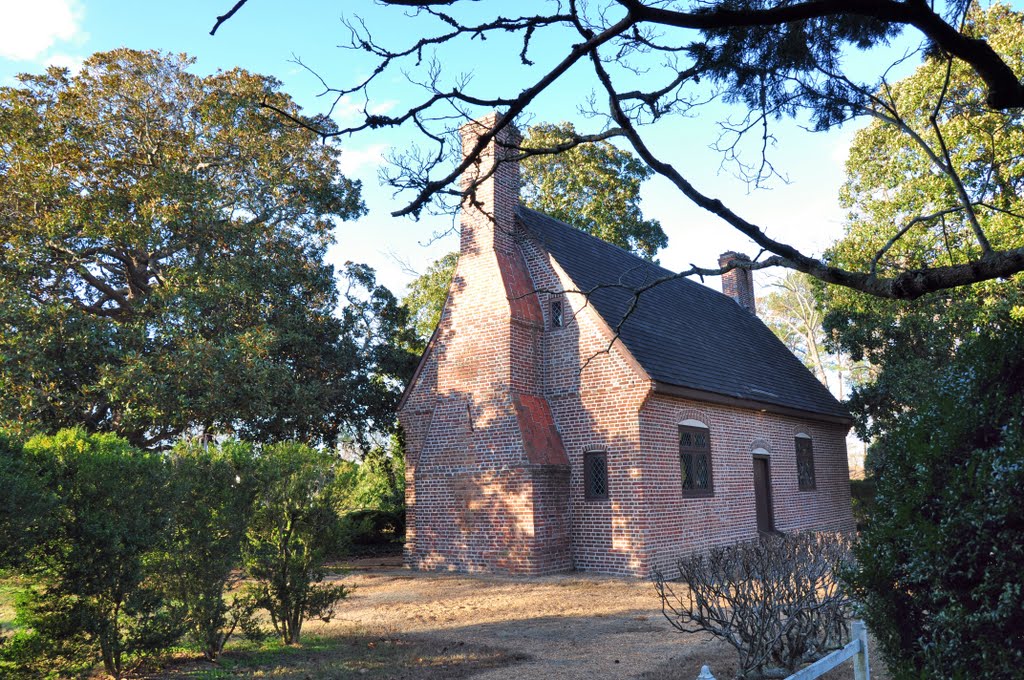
{"x": 681, "y": 332}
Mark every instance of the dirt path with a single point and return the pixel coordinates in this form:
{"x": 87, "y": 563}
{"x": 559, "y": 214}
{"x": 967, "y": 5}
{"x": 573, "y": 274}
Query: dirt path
{"x": 569, "y": 626}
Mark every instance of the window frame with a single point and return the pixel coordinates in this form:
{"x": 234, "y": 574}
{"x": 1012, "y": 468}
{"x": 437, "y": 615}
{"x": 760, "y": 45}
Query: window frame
{"x": 803, "y": 445}
{"x": 557, "y": 311}
{"x": 696, "y": 492}
{"x": 588, "y": 493}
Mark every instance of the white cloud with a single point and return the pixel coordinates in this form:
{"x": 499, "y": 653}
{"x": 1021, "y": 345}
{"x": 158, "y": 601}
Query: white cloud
{"x": 352, "y": 161}
{"x": 31, "y": 27}
{"x": 69, "y": 61}
{"x": 349, "y": 110}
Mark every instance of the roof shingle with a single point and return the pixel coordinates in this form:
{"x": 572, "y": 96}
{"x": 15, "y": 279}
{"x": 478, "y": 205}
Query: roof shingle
{"x": 682, "y": 333}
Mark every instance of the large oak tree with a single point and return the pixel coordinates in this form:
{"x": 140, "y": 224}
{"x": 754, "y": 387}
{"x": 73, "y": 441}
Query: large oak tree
{"x": 162, "y": 237}
{"x": 939, "y": 574}
{"x": 903, "y": 214}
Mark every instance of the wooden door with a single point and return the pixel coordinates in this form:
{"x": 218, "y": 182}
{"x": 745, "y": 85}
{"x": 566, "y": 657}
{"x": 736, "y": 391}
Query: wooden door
{"x": 763, "y": 496}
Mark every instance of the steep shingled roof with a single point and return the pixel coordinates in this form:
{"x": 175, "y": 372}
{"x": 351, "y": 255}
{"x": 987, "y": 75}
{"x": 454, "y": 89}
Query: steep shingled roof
{"x": 682, "y": 333}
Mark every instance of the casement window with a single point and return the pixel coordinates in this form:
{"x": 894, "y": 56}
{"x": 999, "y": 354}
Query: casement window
{"x": 595, "y": 475}
{"x": 695, "y": 459}
{"x": 805, "y": 462}
{"x": 557, "y": 320}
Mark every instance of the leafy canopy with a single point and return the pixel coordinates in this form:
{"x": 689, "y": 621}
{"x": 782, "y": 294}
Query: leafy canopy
{"x": 163, "y": 240}
{"x": 939, "y": 561}
{"x": 595, "y": 187}
{"x": 891, "y": 183}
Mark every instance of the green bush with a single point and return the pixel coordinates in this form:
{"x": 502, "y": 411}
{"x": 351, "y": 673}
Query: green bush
{"x": 862, "y": 496}
{"x": 293, "y": 528}
{"x": 94, "y": 595}
{"x": 374, "y": 527}
{"x": 940, "y": 577}
{"x": 213, "y": 488}
{"x": 26, "y": 506}
{"x": 380, "y": 480}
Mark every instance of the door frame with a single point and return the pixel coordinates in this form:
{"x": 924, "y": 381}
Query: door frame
{"x": 768, "y": 489}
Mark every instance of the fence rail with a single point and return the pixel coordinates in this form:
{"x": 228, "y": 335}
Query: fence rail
{"x": 857, "y": 649}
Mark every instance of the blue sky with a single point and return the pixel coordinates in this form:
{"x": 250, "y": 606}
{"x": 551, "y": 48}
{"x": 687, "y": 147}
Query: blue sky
{"x": 266, "y": 38}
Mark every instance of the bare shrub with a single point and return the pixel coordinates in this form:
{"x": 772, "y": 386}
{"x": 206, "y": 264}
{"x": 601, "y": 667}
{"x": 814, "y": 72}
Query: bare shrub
{"x": 777, "y": 600}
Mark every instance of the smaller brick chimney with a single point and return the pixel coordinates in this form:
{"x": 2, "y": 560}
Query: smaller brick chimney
{"x": 738, "y": 283}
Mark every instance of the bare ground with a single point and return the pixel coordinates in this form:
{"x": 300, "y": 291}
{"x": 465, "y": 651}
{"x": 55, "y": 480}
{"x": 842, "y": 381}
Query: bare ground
{"x": 567, "y": 626}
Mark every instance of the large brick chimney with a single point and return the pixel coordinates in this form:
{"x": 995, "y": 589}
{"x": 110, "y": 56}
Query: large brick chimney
{"x": 490, "y": 471}
{"x": 488, "y": 213}
{"x": 738, "y": 283}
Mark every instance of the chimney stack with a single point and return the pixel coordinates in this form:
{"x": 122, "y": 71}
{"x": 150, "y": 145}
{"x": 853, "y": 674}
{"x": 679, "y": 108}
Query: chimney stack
{"x": 488, "y": 216}
{"x": 738, "y": 283}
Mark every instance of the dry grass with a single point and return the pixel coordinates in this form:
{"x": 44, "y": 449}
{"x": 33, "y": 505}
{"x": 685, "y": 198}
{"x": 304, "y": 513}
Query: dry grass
{"x": 407, "y": 625}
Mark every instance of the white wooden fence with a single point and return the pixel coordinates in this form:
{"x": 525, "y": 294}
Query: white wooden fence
{"x": 857, "y": 650}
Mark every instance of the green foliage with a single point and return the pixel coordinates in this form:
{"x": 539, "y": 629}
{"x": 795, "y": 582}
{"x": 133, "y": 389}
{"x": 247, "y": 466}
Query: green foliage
{"x": 862, "y": 496}
{"x": 380, "y": 482}
{"x": 292, "y": 529}
{"x": 427, "y": 293}
{"x": 374, "y": 528}
{"x": 595, "y": 187}
{"x": 940, "y": 577}
{"x": 93, "y": 594}
{"x": 163, "y": 239}
{"x": 26, "y": 505}
{"x": 383, "y": 351}
{"x": 213, "y": 489}
{"x": 890, "y": 181}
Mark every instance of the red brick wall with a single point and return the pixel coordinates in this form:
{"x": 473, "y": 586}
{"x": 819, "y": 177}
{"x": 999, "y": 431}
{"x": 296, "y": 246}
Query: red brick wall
{"x": 505, "y": 405}
{"x": 675, "y": 524}
{"x": 595, "y": 392}
{"x": 486, "y": 473}
{"x": 738, "y": 283}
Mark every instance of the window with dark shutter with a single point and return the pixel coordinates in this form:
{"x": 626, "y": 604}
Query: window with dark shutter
{"x": 595, "y": 475}
{"x": 805, "y": 463}
{"x": 556, "y": 314}
{"x": 695, "y": 461}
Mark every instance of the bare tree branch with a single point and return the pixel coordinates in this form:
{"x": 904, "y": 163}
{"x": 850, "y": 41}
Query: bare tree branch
{"x": 608, "y": 35}
{"x": 227, "y": 15}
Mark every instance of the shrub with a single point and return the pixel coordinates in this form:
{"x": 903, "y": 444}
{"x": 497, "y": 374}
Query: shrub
{"x": 939, "y": 573}
{"x": 94, "y": 595}
{"x": 293, "y": 527}
{"x": 26, "y": 505}
{"x": 777, "y": 600}
{"x": 380, "y": 482}
{"x": 374, "y": 527}
{"x": 862, "y": 496}
{"x": 213, "y": 489}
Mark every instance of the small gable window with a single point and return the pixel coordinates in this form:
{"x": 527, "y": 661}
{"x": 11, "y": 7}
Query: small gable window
{"x": 695, "y": 459}
{"x": 595, "y": 475}
{"x": 805, "y": 462}
{"x": 556, "y": 314}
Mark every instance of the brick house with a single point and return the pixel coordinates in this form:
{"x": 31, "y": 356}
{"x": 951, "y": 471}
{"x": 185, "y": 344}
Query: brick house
{"x": 540, "y": 440}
